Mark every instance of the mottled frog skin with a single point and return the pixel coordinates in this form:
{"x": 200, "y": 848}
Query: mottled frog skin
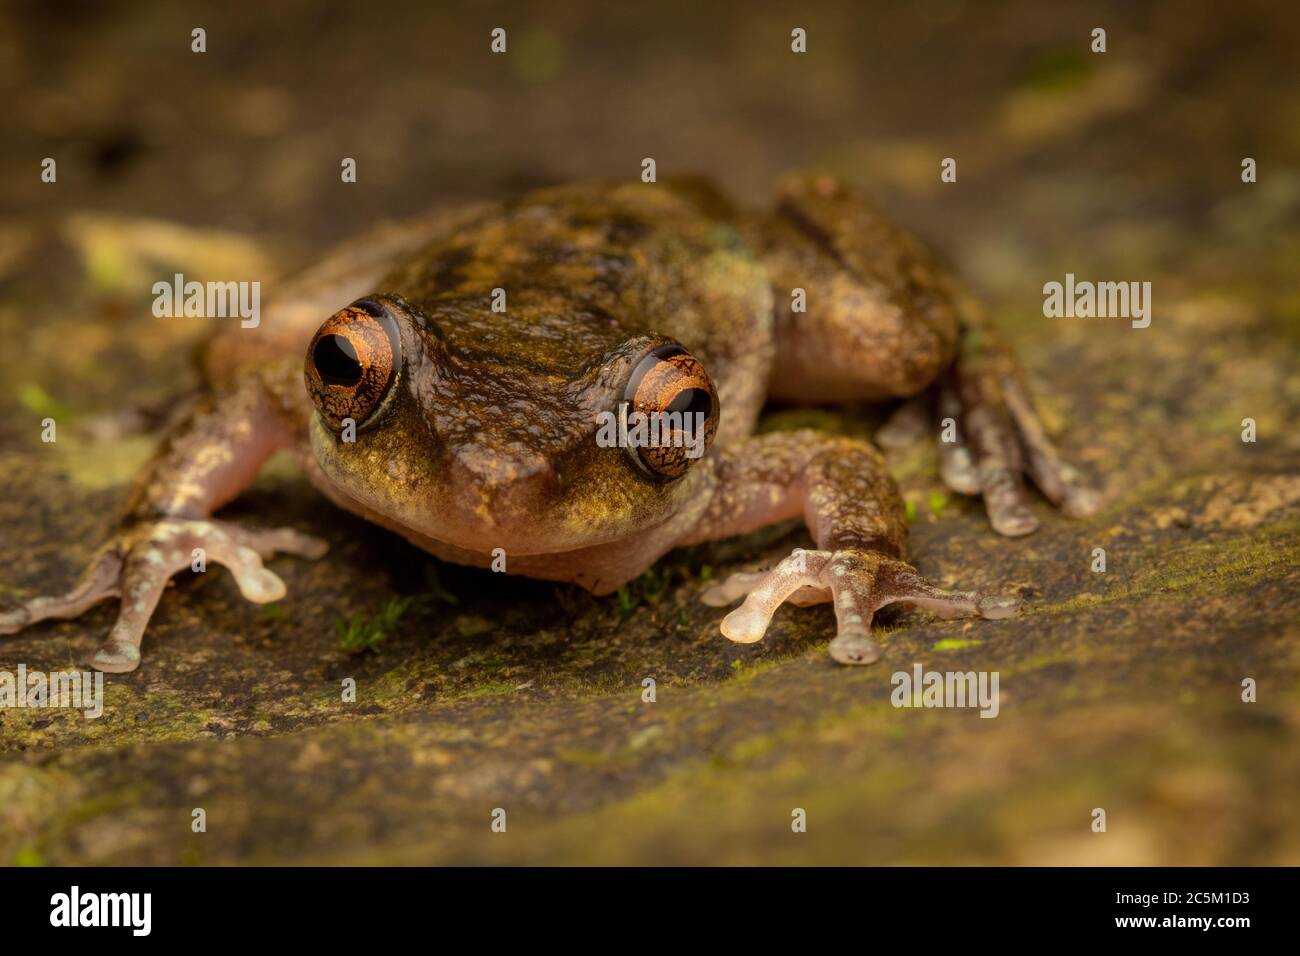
{"x": 457, "y": 367}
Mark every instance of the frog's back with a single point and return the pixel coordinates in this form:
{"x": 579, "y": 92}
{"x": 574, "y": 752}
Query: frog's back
{"x": 586, "y": 267}
{"x": 583, "y": 268}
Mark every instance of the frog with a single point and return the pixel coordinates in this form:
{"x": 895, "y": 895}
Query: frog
{"x": 444, "y": 377}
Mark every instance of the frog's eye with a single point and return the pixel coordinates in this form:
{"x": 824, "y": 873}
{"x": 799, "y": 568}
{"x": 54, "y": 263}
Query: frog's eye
{"x": 352, "y": 362}
{"x": 672, "y": 411}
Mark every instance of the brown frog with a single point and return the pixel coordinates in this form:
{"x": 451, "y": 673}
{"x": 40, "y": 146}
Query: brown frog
{"x": 461, "y": 398}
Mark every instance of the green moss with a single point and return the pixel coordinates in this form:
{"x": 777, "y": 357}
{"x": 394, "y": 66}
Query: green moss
{"x": 1060, "y": 69}
{"x": 106, "y": 267}
{"x": 793, "y": 419}
{"x": 131, "y": 715}
{"x": 954, "y": 644}
{"x": 490, "y": 689}
{"x": 39, "y": 402}
{"x": 584, "y": 758}
{"x": 752, "y": 749}
{"x": 28, "y": 856}
{"x": 362, "y": 633}
{"x": 1205, "y": 568}
{"x": 433, "y": 589}
{"x": 191, "y": 856}
{"x": 96, "y": 465}
{"x": 653, "y": 584}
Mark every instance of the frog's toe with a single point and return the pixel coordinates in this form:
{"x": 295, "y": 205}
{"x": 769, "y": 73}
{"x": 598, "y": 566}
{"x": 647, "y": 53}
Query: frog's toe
{"x": 851, "y": 576}
{"x": 999, "y": 473}
{"x": 862, "y": 583}
{"x": 769, "y": 590}
{"x": 746, "y": 624}
{"x": 979, "y": 453}
{"x": 1007, "y": 508}
{"x": 901, "y": 584}
{"x": 143, "y": 579}
{"x": 1060, "y": 482}
{"x": 1000, "y": 440}
{"x": 116, "y": 657}
{"x": 98, "y": 583}
{"x": 733, "y": 589}
{"x": 854, "y": 647}
{"x": 957, "y": 467}
{"x": 738, "y": 585}
{"x": 269, "y": 541}
{"x": 256, "y": 583}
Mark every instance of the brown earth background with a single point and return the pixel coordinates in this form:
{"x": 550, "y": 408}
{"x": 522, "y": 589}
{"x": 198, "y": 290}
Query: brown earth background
{"x": 1120, "y": 690}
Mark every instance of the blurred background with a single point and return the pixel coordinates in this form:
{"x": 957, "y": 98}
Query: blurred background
{"x": 1120, "y": 690}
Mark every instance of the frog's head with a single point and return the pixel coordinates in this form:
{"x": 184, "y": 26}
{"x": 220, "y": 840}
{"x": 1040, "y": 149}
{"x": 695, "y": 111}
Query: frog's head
{"x": 485, "y": 431}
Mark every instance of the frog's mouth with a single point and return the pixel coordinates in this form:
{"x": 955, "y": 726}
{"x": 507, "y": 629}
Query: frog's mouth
{"x": 477, "y": 505}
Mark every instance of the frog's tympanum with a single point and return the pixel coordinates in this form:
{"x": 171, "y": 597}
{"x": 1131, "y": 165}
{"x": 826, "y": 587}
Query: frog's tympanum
{"x": 469, "y": 364}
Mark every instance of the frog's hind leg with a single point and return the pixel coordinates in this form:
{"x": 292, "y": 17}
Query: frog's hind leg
{"x": 882, "y": 319}
{"x": 861, "y": 313}
{"x": 992, "y": 414}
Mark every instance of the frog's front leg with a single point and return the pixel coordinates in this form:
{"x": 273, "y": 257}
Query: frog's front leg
{"x": 883, "y": 320}
{"x": 211, "y": 455}
{"x": 855, "y": 514}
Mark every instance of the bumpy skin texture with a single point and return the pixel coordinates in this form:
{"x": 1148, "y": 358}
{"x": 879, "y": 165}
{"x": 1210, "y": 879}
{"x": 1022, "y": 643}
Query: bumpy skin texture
{"x": 457, "y": 403}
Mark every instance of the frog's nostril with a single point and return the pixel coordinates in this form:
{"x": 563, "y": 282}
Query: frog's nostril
{"x": 336, "y": 361}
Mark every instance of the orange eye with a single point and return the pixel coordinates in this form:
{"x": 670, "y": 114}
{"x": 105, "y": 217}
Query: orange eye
{"x": 678, "y": 408}
{"x": 352, "y": 362}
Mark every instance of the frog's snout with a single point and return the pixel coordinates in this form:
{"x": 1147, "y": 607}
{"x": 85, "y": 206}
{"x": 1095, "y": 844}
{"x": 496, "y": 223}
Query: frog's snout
{"x": 509, "y": 483}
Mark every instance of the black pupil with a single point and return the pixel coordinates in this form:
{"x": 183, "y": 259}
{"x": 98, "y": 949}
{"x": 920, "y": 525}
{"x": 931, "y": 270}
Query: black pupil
{"x": 692, "y": 401}
{"x": 336, "y": 361}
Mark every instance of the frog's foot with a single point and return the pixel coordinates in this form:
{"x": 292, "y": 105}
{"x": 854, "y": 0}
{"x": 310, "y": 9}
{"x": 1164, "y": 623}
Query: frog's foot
{"x": 990, "y": 437}
{"x": 859, "y": 583}
{"x": 137, "y": 564}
